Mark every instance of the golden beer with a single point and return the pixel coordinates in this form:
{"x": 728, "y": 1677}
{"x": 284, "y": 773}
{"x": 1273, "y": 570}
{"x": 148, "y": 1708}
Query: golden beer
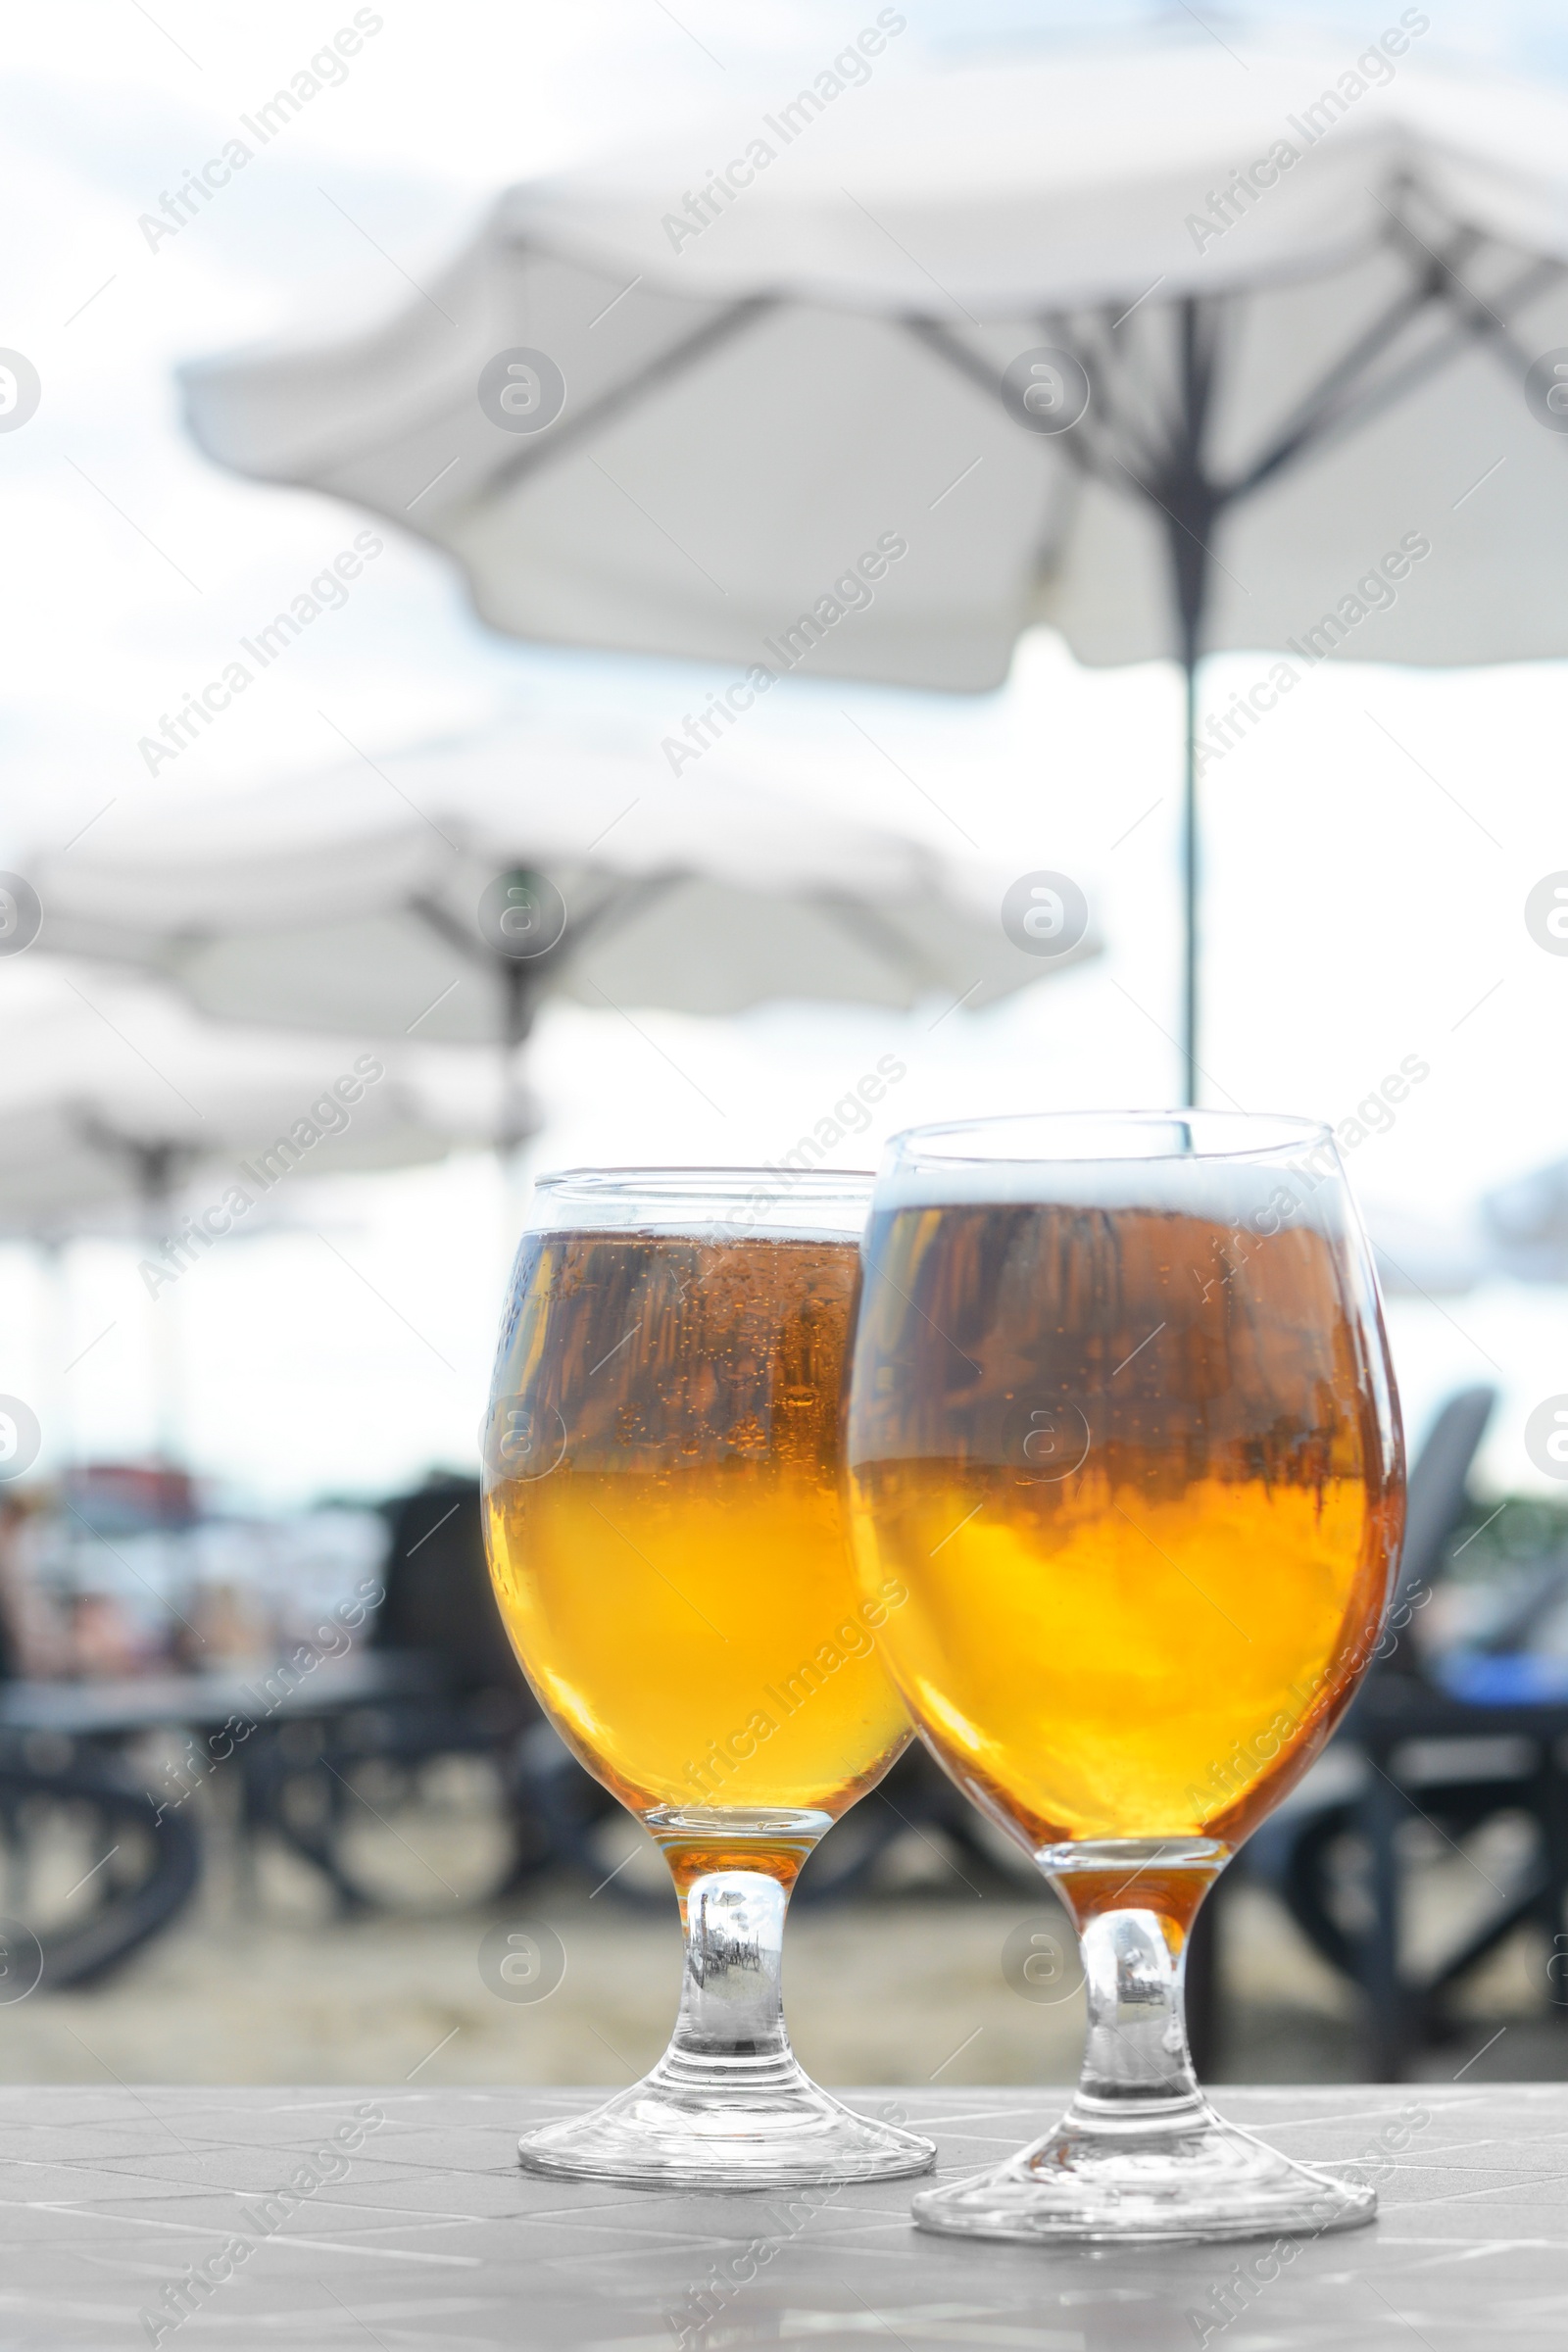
{"x": 667, "y": 1539}
{"x": 1130, "y": 1464}
{"x": 667, "y": 1544}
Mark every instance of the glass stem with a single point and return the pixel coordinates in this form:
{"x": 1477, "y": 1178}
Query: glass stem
{"x": 1138, "y": 2072}
{"x": 731, "y": 2021}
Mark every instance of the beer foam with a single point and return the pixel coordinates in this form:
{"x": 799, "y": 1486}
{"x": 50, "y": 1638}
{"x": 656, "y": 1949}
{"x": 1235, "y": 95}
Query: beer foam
{"x": 719, "y": 1205}
{"x": 715, "y": 1230}
{"x": 1282, "y": 1188}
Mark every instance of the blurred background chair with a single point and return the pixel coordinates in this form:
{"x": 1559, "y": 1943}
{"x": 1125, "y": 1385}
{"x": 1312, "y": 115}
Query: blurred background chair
{"x": 90, "y": 1870}
{"x": 422, "y": 1784}
{"x": 86, "y": 1860}
{"x": 1437, "y": 1749}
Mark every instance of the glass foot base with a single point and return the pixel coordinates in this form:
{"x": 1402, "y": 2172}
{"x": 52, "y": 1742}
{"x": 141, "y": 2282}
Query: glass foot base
{"x": 1089, "y": 2180}
{"x": 779, "y": 2132}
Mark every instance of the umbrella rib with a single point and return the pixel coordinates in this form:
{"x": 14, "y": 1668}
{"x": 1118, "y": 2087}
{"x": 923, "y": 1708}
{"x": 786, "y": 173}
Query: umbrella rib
{"x": 1338, "y": 402}
{"x": 1384, "y": 394}
{"x": 158, "y": 1166}
{"x": 1316, "y": 411}
{"x": 447, "y": 927}
{"x": 871, "y": 929}
{"x": 614, "y": 901}
{"x": 564, "y": 436}
{"x": 951, "y": 348}
{"x": 1097, "y": 453}
{"x": 328, "y": 459}
{"x": 1200, "y": 349}
{"x": 1494, "y": 327}
{"x": 1442, "y": 267}
{"x": 941, "y": 339}
{"x": 1133, "y": 431}
{"x": 1342, "y": 398}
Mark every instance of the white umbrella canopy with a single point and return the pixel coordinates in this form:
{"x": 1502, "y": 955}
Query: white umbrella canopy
{"x": 123, "y": 1113}
{"x": 115, "y": 1098}
{"x": 444, "y": 893}
{"x": 757, "y": 412}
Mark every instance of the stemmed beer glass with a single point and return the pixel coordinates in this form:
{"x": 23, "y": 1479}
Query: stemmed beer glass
{"x": 1123, "y": 1420}
{"x": 666, "y": 1539}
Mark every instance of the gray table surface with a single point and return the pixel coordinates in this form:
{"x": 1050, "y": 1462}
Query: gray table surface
{"x": 433, "y": 2237}
{"x": 129, "y": 1703}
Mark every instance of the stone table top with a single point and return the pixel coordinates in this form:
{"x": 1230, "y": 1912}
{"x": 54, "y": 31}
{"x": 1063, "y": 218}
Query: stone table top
{"x": 401, "y": 2218}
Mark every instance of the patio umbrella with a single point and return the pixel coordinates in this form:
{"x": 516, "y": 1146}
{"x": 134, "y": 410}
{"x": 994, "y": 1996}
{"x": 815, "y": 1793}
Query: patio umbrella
{"x": 122, "y": 1113}
{"x": 443, "y": 894}
{"x": 112, "y": 1092}
{"x": 1174, "y": 349}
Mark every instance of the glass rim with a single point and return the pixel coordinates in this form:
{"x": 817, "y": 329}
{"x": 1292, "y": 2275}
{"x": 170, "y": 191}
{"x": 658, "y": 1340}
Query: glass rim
{"x": 1257, "y": 1135}
{"x": 686, "y": 1185}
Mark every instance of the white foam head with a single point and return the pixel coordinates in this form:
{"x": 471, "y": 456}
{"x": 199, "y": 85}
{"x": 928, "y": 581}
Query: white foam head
{"x": 1230, "y": 1167}
{"x": 715, "y": 1205}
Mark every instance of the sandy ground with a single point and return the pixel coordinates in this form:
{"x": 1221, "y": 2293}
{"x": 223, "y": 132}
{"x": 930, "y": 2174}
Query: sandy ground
{"x": 261, "y": 1983}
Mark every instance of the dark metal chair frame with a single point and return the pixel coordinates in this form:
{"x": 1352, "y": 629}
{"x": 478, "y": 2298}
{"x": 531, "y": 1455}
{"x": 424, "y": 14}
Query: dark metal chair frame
{"x": 1398, "y": 1705}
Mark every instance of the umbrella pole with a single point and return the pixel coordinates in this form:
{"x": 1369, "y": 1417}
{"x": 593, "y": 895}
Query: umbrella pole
{"x": 57, "y": 1326}
{"x": 156, "y": 1185}
{"x": 1192, "y": 505}
{"x": 1189, "y": 882}
{"x": 511, "y": 1134}
{"x": 1191, "y": 583}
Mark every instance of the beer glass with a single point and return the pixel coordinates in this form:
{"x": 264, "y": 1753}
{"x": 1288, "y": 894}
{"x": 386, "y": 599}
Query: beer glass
{"x": 666, "y": 1539}
{"x": 1122, "y": 1421}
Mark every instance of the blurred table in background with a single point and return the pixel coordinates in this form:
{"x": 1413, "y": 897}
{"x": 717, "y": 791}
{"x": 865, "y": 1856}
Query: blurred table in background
{"x": 427, "y": 2234}
{"x": 122, "y": 1705}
